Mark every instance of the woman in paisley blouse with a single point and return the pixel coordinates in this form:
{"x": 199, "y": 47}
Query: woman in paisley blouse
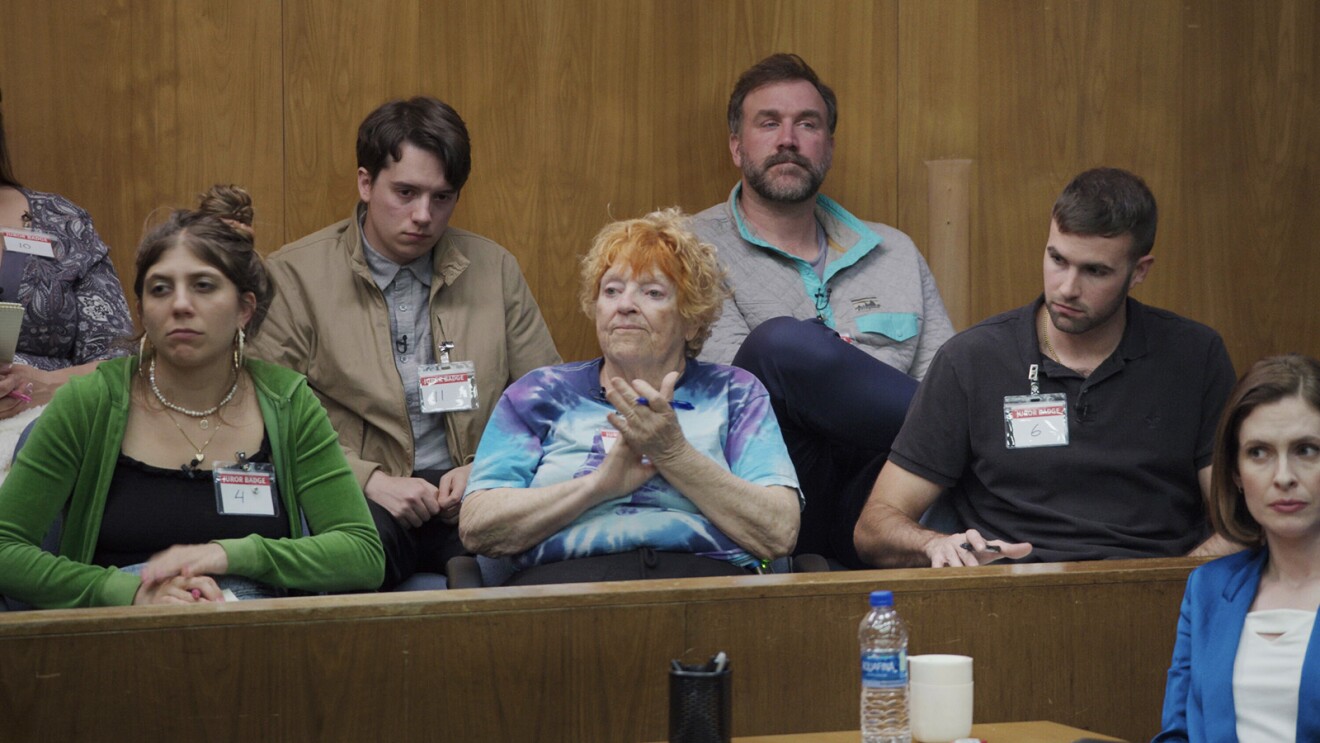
{"x": 74, "y": 305}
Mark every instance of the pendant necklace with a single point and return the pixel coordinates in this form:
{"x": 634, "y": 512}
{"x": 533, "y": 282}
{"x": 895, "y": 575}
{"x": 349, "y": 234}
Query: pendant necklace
{"x": 195, "y": 463}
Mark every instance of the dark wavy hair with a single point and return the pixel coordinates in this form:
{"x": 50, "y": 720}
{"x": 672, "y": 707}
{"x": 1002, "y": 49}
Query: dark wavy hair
{"x": 424, "y": 122}
{"x": 219, "y": 232}
{"x": 779, "y": 68}
{"x": 1109, "y": 202}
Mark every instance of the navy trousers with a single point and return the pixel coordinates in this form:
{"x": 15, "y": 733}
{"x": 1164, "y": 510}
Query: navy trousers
{"x": 840, "y": 410}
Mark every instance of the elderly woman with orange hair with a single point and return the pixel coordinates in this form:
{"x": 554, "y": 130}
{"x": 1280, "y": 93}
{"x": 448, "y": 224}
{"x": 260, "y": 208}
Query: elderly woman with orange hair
{"x": 644, "y": 463}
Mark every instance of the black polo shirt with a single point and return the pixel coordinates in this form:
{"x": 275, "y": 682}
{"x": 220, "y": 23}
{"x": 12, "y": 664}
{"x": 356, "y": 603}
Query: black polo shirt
{"x": 1140, "y": 428}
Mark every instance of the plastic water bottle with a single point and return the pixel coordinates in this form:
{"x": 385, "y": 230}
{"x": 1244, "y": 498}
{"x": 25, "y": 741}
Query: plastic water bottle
{"x": 884, "y": 639}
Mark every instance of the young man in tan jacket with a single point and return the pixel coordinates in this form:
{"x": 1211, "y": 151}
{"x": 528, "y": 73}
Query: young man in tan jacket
{"x": 407, "y": 329}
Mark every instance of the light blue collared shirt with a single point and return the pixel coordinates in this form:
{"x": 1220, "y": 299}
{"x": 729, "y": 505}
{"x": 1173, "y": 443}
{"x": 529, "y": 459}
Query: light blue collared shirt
{"x": 407, "y": 291}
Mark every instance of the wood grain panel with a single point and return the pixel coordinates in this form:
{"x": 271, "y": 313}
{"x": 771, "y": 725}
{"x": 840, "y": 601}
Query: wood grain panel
{"x": 587, "y": 110}
{"x": 1253, "y": 168}
{"x": 1074, "y": 85}
{"x": 938, "y": 112}
{"x": 563, "y": 136}
{"x": 203, "y": 115}
{"x": 67, "y": 96}
{"x": 147, "y": 106}
{"x": 341, "y": 60}
{"x": 1001, "y": 630}
{"x": 587, "y": 662}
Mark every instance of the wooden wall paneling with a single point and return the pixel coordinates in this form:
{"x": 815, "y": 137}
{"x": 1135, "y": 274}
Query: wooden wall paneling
{"x": 1137, "y": 95}
{"x": 341, "y": 61}
{"x": 700, "y": 49}
{"x": 203, "y": 114}
{"x": 492, "y": 73}
{"x": 584, "y": 110}
{"x": 128, "y": 109}
{"x": 568, "y": 147}
{"x": 588, "y": 662}
{"x": 233, "y": 107}
{"x": 999, "y": 623}
{"x": 67, "y": 104}
{"x": 949, "y": 235}
{"x": 1075, "y": 85}
{"x": 938, "y": 107}
{"x": 1010, "y": 226}
{"x": 1253, "y": 161}
{"x": 854, "y": 48}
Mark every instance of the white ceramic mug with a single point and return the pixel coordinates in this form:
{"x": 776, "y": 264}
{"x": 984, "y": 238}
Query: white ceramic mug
{"x": 940, "y": 697}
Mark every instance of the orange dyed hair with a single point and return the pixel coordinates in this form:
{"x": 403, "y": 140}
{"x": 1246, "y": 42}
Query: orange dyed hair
{"x": 660, "y": 243}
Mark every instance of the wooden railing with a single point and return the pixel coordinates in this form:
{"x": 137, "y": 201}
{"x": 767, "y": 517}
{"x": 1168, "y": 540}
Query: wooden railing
{"x": 1085, "y": 644}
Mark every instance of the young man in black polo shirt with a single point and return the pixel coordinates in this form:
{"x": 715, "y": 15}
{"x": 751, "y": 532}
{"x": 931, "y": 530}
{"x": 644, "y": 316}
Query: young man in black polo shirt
{"x": 1077, "y": 427}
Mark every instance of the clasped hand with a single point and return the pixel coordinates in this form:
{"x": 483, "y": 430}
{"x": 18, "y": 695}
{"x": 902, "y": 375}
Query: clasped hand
{"x": 648, "y": 432}
{"x": 413, "y": 501}
{"x": 650, "y": 429}
{"x": 181, "y": 574}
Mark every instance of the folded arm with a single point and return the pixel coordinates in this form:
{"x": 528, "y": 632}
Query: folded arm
{"x": 507, "y": 521}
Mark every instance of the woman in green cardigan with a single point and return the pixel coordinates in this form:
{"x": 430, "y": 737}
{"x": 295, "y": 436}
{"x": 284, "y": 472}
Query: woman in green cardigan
{"x": 188, "y": 469}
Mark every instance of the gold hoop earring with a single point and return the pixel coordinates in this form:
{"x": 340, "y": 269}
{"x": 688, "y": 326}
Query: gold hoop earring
{"x": 142, "y": 351}
{"x": 240, "y": 338}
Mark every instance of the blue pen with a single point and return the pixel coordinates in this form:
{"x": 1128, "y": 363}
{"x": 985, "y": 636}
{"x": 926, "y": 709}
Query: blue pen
{"x": 679, "y": 404}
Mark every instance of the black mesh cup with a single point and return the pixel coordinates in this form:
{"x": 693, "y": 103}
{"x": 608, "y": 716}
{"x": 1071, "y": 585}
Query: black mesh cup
{"x": 700, "y": 703}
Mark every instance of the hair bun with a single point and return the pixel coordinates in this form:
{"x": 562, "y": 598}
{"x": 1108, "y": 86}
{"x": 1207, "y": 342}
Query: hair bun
{"x": 229, "y": 203}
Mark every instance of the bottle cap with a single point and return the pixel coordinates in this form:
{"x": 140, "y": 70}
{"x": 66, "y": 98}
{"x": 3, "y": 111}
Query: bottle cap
{"x": 882, "y": 598}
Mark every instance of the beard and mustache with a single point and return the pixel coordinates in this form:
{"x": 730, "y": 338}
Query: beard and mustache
{"x": 784, "y": 188}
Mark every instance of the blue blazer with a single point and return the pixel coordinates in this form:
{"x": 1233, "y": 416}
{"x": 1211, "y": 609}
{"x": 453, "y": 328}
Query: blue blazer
{"x": 1198, "y": 701}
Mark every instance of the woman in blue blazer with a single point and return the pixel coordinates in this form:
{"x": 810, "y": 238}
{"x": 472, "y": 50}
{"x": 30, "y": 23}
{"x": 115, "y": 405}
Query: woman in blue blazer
{"x": 1246, "y": 665}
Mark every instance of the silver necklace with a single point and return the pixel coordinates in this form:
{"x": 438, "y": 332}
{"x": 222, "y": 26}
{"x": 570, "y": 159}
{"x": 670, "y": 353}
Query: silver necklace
{"x": 204, "y": 424}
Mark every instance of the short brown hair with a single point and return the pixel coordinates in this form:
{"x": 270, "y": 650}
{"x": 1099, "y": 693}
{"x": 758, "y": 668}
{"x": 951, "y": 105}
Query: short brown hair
{"x": 660, "y": 242}
{"x": 1269, "y": 380}
{"x": 219, "y": 232}
{"x": 779, "y": 68}
{"x": 1108, "y": 202}
{"x": 425, "y": 122}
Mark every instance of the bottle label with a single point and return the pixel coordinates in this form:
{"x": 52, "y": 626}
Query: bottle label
{"x": 884, "y": 670}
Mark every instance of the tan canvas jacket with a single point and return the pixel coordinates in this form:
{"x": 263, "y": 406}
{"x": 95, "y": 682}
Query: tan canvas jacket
{"x": 329, "y": 321}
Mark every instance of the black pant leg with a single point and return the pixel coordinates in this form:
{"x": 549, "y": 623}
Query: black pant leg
{"x": 435, "y": 541}
{"x": 400, "y": 546}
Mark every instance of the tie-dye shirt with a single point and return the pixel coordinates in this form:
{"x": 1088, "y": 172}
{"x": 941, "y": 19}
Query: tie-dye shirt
{"x": 547, "y": 428}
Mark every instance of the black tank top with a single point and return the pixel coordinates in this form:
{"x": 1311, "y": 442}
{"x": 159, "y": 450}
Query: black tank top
{"x": 149, "y": 509}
